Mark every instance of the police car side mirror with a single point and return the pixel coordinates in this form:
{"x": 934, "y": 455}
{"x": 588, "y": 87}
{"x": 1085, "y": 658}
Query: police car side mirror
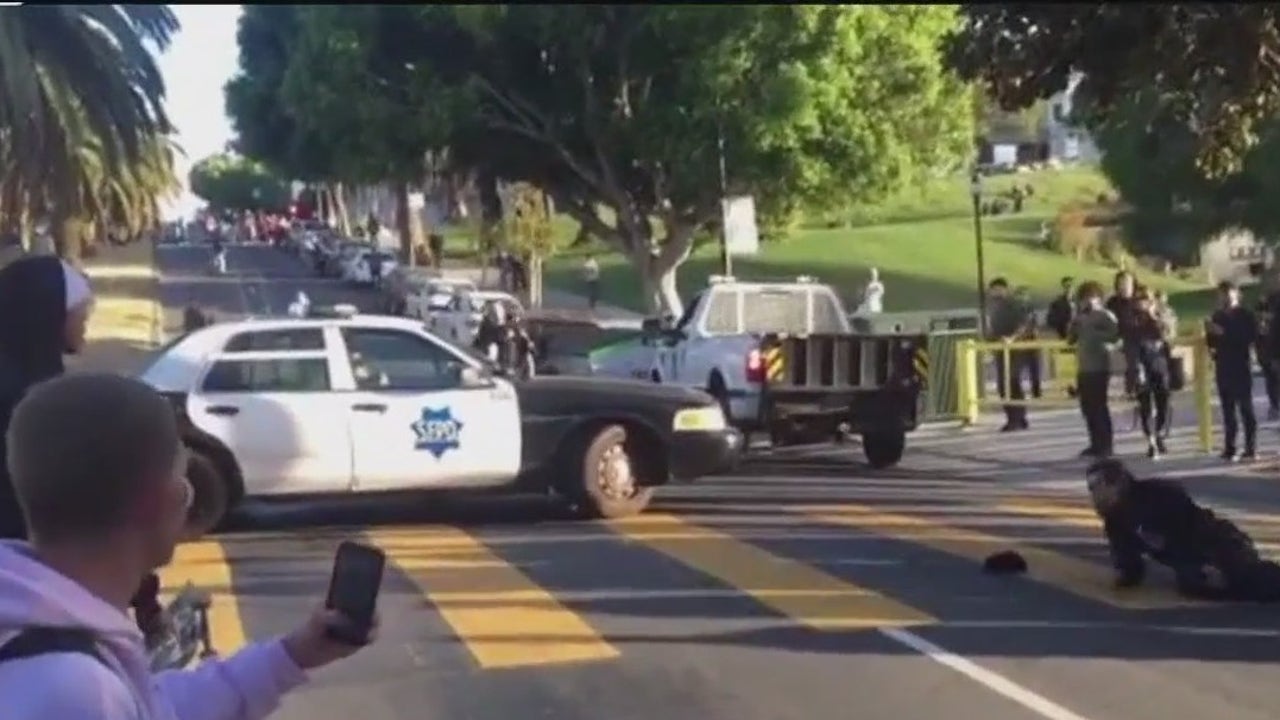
{"x": 470, "y": 377}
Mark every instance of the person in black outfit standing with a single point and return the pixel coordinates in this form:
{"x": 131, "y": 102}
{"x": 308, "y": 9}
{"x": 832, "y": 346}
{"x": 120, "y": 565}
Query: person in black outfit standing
{"x": 1121, "y": 305}
{"x": 1268, "y": 346}
{"x": 1232, "y": 331}
{"x": 1062, "y": 309}
{"x": 1007, "y": 323}
{"x": 1151, "y": 351}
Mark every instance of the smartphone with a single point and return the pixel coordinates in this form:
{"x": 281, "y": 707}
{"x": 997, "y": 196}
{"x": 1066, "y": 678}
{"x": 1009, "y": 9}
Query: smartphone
{"x": 353, "y": 590}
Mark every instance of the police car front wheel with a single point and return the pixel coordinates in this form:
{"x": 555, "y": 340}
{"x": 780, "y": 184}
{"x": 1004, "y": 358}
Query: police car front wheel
{"x": 210, "y": 499}
{"x": 607, "y": 484}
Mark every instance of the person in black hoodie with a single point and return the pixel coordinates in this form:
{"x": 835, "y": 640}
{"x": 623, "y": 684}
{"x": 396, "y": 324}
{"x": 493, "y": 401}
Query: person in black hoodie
{"x": 1232, "y": 331}
{"x": 44, "y": 310}
{"x": 1211, "y": 558}
{"x": 1062, "y": 309}
{"x": 1121, "y": 304}
{"x": 45, "y": 305}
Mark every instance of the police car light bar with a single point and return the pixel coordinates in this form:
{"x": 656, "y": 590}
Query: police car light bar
{"x": 341, "y": 311}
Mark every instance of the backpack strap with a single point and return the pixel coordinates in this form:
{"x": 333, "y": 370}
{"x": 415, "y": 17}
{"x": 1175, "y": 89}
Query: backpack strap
{"x": 42, "y": 640}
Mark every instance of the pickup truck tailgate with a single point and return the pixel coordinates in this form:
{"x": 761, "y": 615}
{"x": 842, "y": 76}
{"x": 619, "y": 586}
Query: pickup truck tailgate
{"x": 845, "y": 362}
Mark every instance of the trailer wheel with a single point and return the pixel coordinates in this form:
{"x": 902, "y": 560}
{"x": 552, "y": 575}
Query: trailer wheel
{"x": 883, "y": 449}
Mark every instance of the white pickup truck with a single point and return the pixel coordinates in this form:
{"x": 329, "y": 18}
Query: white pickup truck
{"x": 782, "y": 358}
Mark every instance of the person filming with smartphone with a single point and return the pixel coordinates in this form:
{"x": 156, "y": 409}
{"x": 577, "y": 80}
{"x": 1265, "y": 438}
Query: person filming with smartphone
{"x": 105, "y": 504}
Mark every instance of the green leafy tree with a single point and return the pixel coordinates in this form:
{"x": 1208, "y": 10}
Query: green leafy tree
{"x": 618, "y": 110}
{"x": 355, "y": 74}
{"x": 1150, "y": 157}
{"x": 1213, "y": 66}
{"x": 234, "y": 182}
{"x": 81, "y": 115}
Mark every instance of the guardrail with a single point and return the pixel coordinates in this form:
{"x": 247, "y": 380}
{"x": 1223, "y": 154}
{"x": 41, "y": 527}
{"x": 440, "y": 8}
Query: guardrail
{"x": 972, "y": 389}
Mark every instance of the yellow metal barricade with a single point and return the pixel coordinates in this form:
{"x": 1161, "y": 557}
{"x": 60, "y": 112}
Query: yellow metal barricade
{"x": 971, "y": 357}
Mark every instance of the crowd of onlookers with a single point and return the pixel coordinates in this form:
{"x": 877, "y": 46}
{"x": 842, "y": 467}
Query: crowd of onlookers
{"x": 1130, "y": 333}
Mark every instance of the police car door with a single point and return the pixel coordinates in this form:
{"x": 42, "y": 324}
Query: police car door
{"x": 415, "y": 425}
{"x": 268, "y": 397}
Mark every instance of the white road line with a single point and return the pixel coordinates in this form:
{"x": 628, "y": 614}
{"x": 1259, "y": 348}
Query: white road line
{"x": 989, "y": 679}
{"x": 1220, "y": 632}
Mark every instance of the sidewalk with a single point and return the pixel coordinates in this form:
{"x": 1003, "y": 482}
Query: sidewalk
{"x": 125, "y": 325}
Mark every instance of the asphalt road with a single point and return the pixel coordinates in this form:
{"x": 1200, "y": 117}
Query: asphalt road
{"x": 806, "y": 587}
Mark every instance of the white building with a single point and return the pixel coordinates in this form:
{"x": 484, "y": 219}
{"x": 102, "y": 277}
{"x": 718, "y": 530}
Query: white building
{"x": 1067, "y": 142}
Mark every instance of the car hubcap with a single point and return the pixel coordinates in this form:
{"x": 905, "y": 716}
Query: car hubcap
{"x": 614, "y": 474}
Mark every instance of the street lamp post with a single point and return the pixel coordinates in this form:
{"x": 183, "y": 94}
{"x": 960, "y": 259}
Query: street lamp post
{"x": 975, "y": 190}
{"x": 726, "y": 261}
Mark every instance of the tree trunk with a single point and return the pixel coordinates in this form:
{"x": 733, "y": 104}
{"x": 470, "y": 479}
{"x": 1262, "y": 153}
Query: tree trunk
{"x": 658, "y": 270}
{"x": 340, "y": 205}
{"x": 68, "y": 238}
{"x": 409, "y": 226}
{"x": 535, "y": 280}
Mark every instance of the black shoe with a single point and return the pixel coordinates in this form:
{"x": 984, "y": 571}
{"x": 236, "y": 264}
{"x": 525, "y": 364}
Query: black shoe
{"x": 1153, "y": 451}
{"x": 1249, "y": 455}
{"x": 1160, "y": 446}
{"x": 1229, "y": 454}
{"x": 1089, "y": 452}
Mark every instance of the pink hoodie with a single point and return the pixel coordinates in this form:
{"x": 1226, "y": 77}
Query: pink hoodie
{"x": 74, "y": 686}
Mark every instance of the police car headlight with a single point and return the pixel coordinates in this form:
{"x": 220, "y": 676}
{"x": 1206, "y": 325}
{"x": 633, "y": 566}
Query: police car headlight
{"x": 699, "y": 419}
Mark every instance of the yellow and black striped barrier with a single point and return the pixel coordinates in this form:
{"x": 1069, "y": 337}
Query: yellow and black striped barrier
{"x": 773, "y": 364}
{"x": 920, "y": 361}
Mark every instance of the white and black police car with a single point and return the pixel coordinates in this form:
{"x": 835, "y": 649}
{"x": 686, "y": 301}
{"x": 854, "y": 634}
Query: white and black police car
{"x": 337, "y": 403}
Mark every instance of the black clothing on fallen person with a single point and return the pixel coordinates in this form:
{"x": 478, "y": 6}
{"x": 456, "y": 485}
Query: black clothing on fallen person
{"x": 31, "y": 348}
{"x": 1157, "y": 518}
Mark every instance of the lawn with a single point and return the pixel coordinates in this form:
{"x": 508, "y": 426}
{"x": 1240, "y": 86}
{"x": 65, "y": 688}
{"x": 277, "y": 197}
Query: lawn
{"x": 921, "y": 241}
{"x": 926, "y": 264}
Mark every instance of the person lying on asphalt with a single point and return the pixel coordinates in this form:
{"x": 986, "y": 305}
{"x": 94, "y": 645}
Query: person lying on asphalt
{"x": 1211, "y": 558}
{"x": 105, "y": 504}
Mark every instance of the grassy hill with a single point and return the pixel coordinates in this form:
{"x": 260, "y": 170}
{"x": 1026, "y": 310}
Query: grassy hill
{"x": 922, "y": 242}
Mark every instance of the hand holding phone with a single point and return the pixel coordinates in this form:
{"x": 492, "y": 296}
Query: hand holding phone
{"x": 353, "y": 592}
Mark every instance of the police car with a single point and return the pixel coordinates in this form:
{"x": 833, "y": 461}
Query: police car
{"x": 339, "y": 403}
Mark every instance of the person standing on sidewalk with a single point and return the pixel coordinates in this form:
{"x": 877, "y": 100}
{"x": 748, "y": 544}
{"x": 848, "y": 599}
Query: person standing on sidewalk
{"x": 1007, "y": 322}
{"x": 1062, "y": 309}
{"x": 1232, "y": 331}
{"x": 591, "y": 278}
{"x": 1093, "y": 331}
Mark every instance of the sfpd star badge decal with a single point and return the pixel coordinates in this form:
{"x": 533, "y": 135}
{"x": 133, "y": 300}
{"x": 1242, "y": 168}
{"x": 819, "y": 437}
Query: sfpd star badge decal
{"x": 437, "y": 431}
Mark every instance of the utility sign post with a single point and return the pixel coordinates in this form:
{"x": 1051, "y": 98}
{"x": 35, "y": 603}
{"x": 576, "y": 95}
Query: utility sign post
{"x": 741, "y": 236}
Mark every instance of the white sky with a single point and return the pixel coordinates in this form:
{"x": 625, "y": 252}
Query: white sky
{"x": 201, "y": 59}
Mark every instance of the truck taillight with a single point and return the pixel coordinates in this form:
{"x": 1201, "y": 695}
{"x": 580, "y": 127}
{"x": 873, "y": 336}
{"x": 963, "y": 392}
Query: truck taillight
{"x": 755, "y": 366}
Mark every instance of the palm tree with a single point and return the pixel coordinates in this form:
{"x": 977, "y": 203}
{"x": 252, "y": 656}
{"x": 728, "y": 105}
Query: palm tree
{"x": 81, "y": 109}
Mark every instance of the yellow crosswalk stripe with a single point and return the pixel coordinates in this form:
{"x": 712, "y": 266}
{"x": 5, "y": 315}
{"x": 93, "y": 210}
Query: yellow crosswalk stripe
{"x": 1082, "y": 578}
{"x": 805, "y": 594}
{"x": 204, "y": 564}
{"x": 1264, "y": 529}
{"x": 503, "y": 617}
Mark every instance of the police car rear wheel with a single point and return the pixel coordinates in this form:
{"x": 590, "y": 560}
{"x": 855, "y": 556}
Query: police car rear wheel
{"x": 211, "y": 497}
{"x": 883, "y": 449}
{"x": 608, "y": 486}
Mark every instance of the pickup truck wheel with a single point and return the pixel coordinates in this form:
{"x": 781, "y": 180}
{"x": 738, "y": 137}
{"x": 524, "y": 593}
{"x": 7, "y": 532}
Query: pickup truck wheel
{"x": 607, "y": 485}
{"x": 883, "y": 449}
{"x": 210, "y": 499}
